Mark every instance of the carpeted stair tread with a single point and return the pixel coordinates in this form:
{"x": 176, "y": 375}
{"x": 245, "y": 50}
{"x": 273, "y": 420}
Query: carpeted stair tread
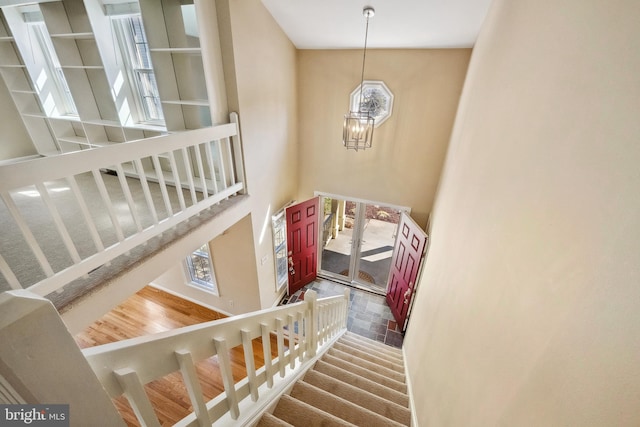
{"x": 363, "y": 346}
{"x": 339, "y": 407}
{"x": 377, "y": 345}
{"x": 369, "y": 356}
{"x": 300, "y": 414}
{"x": 354, "y": 358}
{"x": 269, "y": 420}
{"x": 363, "y": 383}
{"x": 366, "y": 373}
{"x": 359, "y": 396}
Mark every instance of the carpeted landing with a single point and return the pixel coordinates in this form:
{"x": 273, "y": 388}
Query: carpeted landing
{"x": 357, "y": 382}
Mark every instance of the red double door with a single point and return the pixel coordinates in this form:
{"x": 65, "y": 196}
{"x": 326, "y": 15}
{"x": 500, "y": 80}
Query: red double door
{"x": 302, "y": 247}
{"x": 406, "y": 261}
{"x": 408, "y": 254}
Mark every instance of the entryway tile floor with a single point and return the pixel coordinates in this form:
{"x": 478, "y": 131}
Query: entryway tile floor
{"x": 369, "y": 314}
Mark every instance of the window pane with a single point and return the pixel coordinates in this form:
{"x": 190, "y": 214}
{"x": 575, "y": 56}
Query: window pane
{"x": 59, "y": 89}
{"x": 136, "y": 57}
{"x": 201, "y": 269}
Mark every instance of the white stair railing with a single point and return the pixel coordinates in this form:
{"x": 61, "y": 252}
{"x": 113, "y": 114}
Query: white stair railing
{"x": 302, "y": 331}
{"x": 191, "y": 171}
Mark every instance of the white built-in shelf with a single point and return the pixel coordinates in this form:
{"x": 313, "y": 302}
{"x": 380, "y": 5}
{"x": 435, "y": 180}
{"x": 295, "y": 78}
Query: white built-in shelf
{"x": 13, "y": 66}
{"x": 27, "y": 91}
{"x": 190, "y": 50}
{"x": 100, "y": 122}
{"x": 6, "y": 39}
{"x": 37, "y": 115}
{"x": 83, "y": 67}
{"x": 196, "y": 102}
{"x": 72, "y": 36}
{"x": 68, "y": 118}
{"x": 152, "y": 128}
{"x": 75, "y": 140}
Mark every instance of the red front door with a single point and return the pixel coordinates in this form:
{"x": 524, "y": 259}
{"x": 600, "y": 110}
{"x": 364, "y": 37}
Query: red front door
{"x": 408, "y": 253}
{"x": 302, "y": 247}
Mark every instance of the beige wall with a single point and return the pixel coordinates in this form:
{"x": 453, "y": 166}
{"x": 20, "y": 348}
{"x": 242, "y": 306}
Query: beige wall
{"x": 237, "y": 285}
{"x": 404, "y": 165}
{"x": 14, "y": 139}
{"x": 528, "y": 313}
{"x": 260, "y": 70}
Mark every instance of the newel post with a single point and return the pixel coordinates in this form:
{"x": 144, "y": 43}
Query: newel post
{"x": 345, "y": 313}
{"x": 311, "y": 298}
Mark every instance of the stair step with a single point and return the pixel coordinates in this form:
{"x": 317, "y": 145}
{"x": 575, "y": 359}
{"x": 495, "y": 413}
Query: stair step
{"x": 339, "y": 407}
{"x": 366, "y": 373}
{"x": 345, "y": 375}
{"x": 392, "y": 351}
{"x": 360, "y": 397}
{"x": 369, "y": 356}
{"x": 367, "y": 365}
{"x": 300, "y": 414}
{"x": 269, "y": 420}
{"x": 386, "y": 352}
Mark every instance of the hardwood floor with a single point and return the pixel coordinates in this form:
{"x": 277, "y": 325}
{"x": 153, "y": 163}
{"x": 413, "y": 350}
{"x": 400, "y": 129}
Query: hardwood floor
{"x": 150, "y": 311}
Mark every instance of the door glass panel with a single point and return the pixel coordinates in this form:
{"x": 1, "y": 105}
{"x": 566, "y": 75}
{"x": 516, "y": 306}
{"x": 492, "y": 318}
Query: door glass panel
{"x": 358, "y": 240}
{"x": 336, "y": 231}
{"x": 379, "y": 228}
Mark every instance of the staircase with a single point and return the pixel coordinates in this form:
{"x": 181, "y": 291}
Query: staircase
{"x": 358, "y": 381}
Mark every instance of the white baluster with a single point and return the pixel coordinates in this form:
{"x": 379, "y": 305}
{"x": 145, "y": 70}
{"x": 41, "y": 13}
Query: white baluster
{"x": 145, "y": 189}
{"x": 57, "y": 220}
{"x": 266, "y": 351}
{"x": 292, "y": 342}
{"x": 127, "y": 195}
{"x": 93, "y": 231}
{"x": 163, "y": 185}
{"x": 311, "y": 298}
{"x": 8, "y": 274}
{"x": 102, "y": 189}
{"x": 227, "y": 376}
{"x": 134, "y": 390}
{"x": 189, "y": 173}
{"x": 203, "y": 181}
{"x": 280, "y": 338}
{"x": 26, "y": 232}
{"x": 250, "y": 363}
{"x": 300, "y": 336}
{"x": 212, "y": 170}
{"x": 192, "y": 384}
{"x": 176, "y": 179}
{"x": 221, "y": 157}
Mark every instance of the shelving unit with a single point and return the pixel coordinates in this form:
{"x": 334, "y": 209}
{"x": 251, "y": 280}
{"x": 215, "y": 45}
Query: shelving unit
{"x": 82, "y": 37}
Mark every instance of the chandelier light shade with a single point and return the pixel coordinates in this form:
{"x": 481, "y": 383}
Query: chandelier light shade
{"x": 357, "y": 130}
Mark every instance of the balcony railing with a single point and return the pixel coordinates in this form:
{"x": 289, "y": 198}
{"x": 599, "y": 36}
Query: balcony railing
{"x": 302, "y": 331}
{"x": 67, "y": 215}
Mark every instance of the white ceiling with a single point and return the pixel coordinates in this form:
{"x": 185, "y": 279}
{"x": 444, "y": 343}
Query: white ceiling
{"x": 339, "y": 24}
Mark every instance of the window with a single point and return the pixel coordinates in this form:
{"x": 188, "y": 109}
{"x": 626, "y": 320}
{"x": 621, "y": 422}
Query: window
{"x": 279, "y": 224}
{"x": 136, "y": 61}
{"x": 200, "y": 270}
{"x": 51, "y": 84}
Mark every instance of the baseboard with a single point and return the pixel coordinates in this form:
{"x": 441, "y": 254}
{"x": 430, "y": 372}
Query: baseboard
{"x": 412, "y": 406}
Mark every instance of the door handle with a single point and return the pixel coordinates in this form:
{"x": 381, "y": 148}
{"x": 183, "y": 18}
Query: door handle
{"x": 407, "y": 293}
{"x": 292, "y": 270}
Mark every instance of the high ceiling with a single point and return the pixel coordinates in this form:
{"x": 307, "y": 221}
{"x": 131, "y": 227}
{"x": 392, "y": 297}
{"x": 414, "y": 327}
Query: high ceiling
{"x": 339, "y": 24}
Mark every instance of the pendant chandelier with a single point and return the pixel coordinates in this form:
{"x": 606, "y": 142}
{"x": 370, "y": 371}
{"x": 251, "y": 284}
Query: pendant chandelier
{"x": 357, "y": 130}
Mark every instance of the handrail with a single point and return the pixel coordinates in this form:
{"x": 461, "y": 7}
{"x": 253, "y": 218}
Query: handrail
{"x": 189, "y": 171}
{"x": 302, "y": 329}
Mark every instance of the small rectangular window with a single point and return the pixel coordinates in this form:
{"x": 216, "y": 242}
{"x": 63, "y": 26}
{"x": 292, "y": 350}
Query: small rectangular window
{"x": 58, "y": 91}
{"x": 200, "y": 270}
{"x": 136, "y": 58}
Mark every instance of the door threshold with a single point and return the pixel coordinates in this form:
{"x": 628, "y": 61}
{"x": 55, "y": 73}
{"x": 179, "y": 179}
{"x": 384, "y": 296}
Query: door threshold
{"x": 359, "y": 286}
